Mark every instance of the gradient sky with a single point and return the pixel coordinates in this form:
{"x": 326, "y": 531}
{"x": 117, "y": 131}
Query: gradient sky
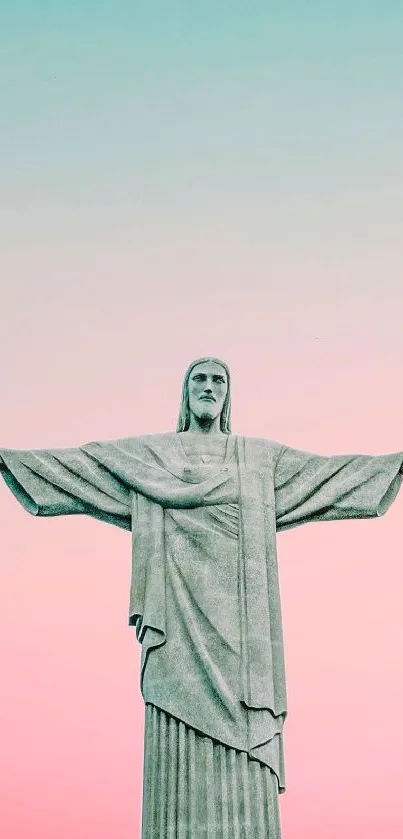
{"x": 179, "y": 179}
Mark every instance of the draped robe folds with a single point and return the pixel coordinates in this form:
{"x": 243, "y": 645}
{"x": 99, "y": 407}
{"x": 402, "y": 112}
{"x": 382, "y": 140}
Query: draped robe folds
{"x": 204, "y": 595}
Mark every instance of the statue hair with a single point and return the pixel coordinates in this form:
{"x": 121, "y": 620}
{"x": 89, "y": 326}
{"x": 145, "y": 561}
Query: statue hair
{"x": 184, "y": 412}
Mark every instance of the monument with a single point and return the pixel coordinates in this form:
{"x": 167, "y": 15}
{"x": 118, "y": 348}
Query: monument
{"x": 204, "y": 507}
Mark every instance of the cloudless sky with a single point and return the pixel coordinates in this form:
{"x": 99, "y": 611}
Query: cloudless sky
{"x": 178, "y": 179}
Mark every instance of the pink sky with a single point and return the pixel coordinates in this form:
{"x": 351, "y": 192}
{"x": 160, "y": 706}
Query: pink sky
{"x": 226, "y": 187}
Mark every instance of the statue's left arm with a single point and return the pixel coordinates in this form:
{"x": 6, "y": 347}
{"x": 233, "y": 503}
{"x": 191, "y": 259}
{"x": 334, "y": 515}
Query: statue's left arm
{"x": 310, "y": 487}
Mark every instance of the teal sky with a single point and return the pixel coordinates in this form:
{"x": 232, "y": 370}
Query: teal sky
{"x": 156, "y": 105}
{"x": 163, "y": 150}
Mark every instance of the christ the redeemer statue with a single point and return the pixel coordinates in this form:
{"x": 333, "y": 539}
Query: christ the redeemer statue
{"x": 204, "y": 506}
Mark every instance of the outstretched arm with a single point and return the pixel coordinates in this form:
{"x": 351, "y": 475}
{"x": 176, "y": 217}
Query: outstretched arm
{"x": 310, "y": 487}
{"x": 65, "y": 481}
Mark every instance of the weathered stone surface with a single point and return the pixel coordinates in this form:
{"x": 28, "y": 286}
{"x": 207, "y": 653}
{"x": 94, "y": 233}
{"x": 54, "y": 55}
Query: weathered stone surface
{"x": 204, "y": 507}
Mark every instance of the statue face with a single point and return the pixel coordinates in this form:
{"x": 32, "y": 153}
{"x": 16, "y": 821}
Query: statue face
{"x": 207, "y": 387}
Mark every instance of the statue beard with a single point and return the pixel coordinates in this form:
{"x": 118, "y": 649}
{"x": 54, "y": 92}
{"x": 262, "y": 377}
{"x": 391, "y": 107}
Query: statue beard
{"x": 207, "y": 417}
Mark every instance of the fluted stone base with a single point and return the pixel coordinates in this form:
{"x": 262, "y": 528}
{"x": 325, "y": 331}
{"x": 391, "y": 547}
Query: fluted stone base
{"x": 196, "y": 788}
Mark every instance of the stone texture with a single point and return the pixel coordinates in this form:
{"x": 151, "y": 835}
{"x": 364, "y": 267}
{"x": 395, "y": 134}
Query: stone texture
{"x": 204, "y": 509}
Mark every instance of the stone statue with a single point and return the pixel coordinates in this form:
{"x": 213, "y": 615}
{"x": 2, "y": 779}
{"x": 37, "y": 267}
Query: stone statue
{"x": 204, "y": 506}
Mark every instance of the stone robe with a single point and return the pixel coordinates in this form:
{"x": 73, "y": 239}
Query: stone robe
{"x": 204, "y": 595}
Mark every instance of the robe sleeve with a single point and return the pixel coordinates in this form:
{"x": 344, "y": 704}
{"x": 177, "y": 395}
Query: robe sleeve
{"x": 310, "y": 487}
{"x": 58, "y": 482}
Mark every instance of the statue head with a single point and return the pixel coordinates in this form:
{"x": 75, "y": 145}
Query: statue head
{"x": 206, "y": 392}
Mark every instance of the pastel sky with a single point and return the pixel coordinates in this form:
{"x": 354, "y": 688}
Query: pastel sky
{"x": 180, "y": 179}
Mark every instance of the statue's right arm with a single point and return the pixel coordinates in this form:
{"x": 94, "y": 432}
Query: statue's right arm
{"x": 67, "y": 481}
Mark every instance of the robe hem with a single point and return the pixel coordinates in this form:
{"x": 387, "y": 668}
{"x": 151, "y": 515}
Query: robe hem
{"x": 162, "y": 707}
